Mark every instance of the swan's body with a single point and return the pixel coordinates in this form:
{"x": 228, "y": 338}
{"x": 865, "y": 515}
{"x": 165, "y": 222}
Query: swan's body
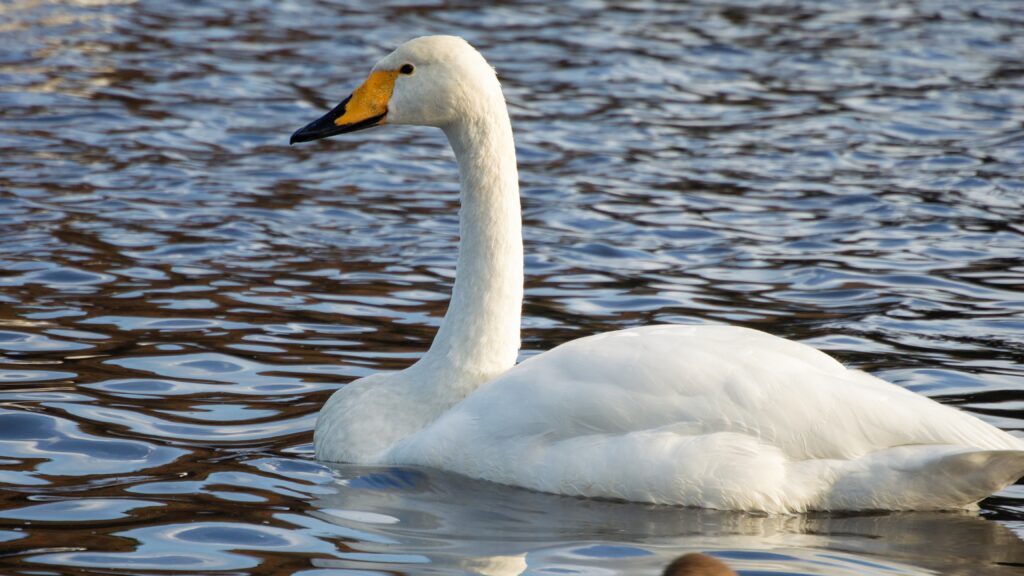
{"x": 712, "y": 416}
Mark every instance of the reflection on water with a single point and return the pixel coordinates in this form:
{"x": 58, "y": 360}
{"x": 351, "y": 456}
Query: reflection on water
{"x": 398, "y": 517}
{"x": 180, "y": 291}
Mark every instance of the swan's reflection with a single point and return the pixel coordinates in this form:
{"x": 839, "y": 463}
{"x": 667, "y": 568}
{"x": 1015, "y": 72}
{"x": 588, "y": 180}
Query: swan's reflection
{"x": 424, "y": 521}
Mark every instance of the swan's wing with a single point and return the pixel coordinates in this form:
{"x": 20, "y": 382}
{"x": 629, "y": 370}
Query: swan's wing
{"x": 691, "y": 414}
{"x": 707, "y": 379}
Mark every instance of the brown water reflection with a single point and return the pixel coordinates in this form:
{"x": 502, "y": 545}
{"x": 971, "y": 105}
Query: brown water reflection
{"x": 180, "y": 291}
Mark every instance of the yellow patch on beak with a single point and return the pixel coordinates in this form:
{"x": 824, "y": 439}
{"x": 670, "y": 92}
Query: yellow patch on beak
{"x": 369, "y": 100}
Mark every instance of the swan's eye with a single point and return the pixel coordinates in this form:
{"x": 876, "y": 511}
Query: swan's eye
{"x": 407, "y": 69}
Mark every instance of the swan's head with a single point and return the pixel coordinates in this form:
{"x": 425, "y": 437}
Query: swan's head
{"x": 428, "y": 81}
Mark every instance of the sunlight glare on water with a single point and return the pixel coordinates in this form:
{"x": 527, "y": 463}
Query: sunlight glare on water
{"x": 180, "y": 290}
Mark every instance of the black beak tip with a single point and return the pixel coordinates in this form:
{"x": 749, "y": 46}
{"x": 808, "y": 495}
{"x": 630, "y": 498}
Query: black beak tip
{"x": 322, "y": 127}
{"x": 325, "y": 127}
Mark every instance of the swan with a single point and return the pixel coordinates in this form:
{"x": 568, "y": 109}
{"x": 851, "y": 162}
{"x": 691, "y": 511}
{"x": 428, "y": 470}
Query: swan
{"x": 695, "y": 415}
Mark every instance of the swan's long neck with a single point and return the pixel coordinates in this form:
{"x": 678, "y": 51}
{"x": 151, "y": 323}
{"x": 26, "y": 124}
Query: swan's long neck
{"x": 479, "y": 337}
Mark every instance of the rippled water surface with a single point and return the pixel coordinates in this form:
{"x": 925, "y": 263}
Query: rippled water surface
{"x": 180, "y": 290}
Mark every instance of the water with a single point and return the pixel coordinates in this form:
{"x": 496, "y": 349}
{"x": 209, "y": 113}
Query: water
{"x": 180, "y": 290}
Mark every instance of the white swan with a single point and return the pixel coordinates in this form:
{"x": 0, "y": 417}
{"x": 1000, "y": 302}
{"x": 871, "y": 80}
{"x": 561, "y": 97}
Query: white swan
{"x": 713, "y": 416}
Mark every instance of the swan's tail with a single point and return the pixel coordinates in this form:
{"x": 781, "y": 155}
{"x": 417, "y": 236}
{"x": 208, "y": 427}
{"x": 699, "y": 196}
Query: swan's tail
{"x": 926, "y": 478}
{"x": 977, "y": 475}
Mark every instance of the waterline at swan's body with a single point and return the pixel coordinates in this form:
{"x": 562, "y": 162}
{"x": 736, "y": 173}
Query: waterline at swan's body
{"x": 712, "y": 416}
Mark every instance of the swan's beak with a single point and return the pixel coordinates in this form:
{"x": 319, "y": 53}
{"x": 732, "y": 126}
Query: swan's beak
{"x": 366, "y": 107}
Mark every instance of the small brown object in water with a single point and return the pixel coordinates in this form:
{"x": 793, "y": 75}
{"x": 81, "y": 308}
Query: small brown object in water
{"x": 696, "y": 564}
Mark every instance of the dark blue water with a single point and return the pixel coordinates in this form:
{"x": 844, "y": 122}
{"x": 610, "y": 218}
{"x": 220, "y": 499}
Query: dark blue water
{"x": 180, "y": 290}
